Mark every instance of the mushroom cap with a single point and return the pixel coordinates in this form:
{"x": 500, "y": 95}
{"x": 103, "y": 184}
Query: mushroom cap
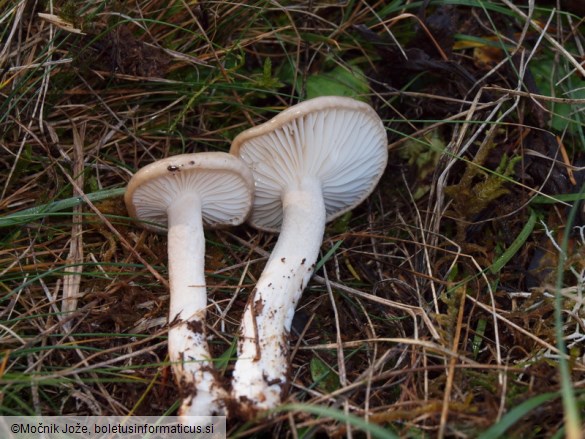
{"x": 223, "y": 184}
{"x": 338, "y": 140}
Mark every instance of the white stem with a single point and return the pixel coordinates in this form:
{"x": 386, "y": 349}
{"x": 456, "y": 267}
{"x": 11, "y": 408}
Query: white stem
{"x": 188, "y": 348}
{"x": 261, "y": 372}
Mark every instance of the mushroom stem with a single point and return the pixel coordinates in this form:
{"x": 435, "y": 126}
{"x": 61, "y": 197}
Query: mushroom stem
{"x": 261, "y": 371}
{"x": 188, "y": 348}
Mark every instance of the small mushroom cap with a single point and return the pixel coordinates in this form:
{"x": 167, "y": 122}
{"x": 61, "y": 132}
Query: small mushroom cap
{"x": 339, "y": 140}
{"x": 223, "y": 184}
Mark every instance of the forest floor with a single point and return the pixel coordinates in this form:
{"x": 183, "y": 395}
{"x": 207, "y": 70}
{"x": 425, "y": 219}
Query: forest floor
{"x": 449, "y": 304}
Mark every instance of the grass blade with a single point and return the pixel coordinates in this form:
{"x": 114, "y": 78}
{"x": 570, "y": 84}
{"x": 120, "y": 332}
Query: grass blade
{"x": 497, "y": 431}
{"x": 38, "y": 212}
{"x": 516, "y": 245}
{"x": 360, "y": 423}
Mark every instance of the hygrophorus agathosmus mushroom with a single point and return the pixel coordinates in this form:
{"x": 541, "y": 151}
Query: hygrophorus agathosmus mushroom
{"x": 184, "y": 193}
{"x": 311, "y": 163}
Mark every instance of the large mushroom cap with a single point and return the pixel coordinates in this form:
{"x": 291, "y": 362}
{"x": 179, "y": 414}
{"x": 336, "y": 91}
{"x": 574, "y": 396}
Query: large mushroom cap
{"x": 338, "y": 140}
{"x": 223, "y": 184}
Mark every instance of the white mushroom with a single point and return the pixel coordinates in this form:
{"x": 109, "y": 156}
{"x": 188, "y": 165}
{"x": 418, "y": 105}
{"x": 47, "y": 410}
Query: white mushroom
{"x": 184, "y": 193}
{"x": 311, "y": 163}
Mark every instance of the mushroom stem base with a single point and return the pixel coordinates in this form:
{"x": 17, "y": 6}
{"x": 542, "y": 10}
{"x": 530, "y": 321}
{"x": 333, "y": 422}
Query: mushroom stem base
{"x": 261, "y": 371}
{"x": 188, "y": 349}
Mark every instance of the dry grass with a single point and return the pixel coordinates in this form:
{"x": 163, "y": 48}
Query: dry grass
{"x": 437, "y": 308}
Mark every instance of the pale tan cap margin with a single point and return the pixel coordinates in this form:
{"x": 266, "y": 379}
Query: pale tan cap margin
{"x": 339, "y": 140}
{"x": 223, "y": 183}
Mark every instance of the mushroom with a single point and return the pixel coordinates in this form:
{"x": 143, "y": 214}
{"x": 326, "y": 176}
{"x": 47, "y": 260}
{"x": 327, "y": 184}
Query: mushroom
{"x": 184, "y": 193}
{"x": 311, "y": 163}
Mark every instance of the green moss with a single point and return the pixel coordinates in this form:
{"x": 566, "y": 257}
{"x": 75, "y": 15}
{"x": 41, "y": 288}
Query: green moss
{"x": 70, "y": 12}
{"x": 480, "y": 187}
